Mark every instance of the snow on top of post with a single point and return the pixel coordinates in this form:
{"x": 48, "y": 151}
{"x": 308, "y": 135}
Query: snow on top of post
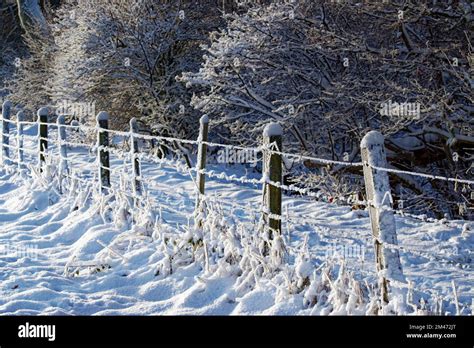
{"x": 102, "y": 116}
{"x": 204, "y": 119}
{"x": 372, "y": 138}
{"x": 272, "y": 129}
{"x": 7, "y": 104}
{"x": 43, "y": 112}
{"x": 133, "y": 124}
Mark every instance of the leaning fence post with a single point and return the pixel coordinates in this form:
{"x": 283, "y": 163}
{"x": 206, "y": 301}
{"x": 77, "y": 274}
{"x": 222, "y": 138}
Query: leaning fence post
{"x": 103, "y": 152}
{"x": 6, "y": 112}
{"x": 272, "y": 171}
{"x": 379, "y": 201}
{"x": 135, "y": 161}
{"x": 20, "y": 117}
{"x": 43, "y": 135}
{"x": 63, "y": 165}
{"x": 202, "y": 152}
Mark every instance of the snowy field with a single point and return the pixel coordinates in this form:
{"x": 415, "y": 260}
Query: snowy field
{"x": 78, "y": 252}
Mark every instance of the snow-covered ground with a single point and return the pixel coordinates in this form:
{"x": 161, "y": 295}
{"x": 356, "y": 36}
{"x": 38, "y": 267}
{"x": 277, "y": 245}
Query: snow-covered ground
{"x": 78, "y": 253}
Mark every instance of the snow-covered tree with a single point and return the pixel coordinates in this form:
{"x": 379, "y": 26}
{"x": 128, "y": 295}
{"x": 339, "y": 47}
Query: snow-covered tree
{"x": 125, "y": 55}
{"x": 9, "y": 35}
{"x": 28, "y": 82}
{"x": 325, "y": 70}
{"x": 23, "y": 34}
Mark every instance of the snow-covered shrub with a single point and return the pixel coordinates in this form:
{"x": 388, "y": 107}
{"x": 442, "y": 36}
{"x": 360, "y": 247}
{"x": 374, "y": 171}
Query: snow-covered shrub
{"x": 28, "y": 86}
{"x": 12, "y": 46}
{"x": 124, "y": 55}
{"x": 324, "y": 69}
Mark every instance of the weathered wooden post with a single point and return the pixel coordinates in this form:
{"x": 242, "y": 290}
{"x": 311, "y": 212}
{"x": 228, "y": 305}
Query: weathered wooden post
{"x": 6, "y": 112}
{"x": 201, "y": 159}
{"x": 63, "y": 165}
{"x": 43, "y": 135}
{"x": 103, "y": 152}
{"x": 20, "y": 117}
{"x": 272, "y": 171}
{"x": 379, "y": 201}
{"x": 137, "y": 187}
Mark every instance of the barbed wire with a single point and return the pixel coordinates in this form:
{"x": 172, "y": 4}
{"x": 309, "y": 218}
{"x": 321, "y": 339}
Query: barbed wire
{"x": 28, "y": 123}
{"x": 211, "y": 173}
{"x": 429, "y": 176}
{"x": 267, "y": 149}
{"x": 8, "y": 120}
{"x": 181, "y": 167}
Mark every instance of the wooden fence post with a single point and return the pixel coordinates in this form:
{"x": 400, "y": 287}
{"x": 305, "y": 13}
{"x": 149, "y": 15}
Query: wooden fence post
{"x": 202, "y": 152}
{"x": 137, "y": 187}
{"x": 62, "y": 136}
{"x": 379, "y": 201}
{"x": 272, "y": 170}
{"x": 20, "y": 117}
{"x": 43, "y": 135}
{"x": 6, "y": 112}
{"x": 103, "y": 152}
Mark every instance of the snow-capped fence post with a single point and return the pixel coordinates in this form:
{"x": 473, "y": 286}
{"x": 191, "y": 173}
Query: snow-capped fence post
{"x": 20, "y": 117}
{"x": 135, "y": 161}
{"x": 6, "y": 112}
{"x": 43, "y": 135}
{"x": 202, "y": 152}
{"x": 379, "y": 200}
{"x": 103, "y": 152}
{"x": 272, "y": 172}
{"x": 61, "y": 144}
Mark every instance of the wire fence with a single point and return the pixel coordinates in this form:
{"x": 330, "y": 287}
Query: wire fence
{"x": 180, "y": 165}
{"x": 85, "y": 162}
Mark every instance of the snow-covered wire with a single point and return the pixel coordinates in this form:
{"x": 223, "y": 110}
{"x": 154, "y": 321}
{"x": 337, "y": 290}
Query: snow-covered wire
{"x": 8, "y": 120}
{"x": 226, "y": 177}
{"x": 28, "y": 123}
{"x": 417, "y": 252}
{"x": 314, "y": 159}
{"x": 74, "y": 144}
{"x": 9, "y": 146}
{"x": 423, "y": 175}
{"x": 258, "y": 149}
